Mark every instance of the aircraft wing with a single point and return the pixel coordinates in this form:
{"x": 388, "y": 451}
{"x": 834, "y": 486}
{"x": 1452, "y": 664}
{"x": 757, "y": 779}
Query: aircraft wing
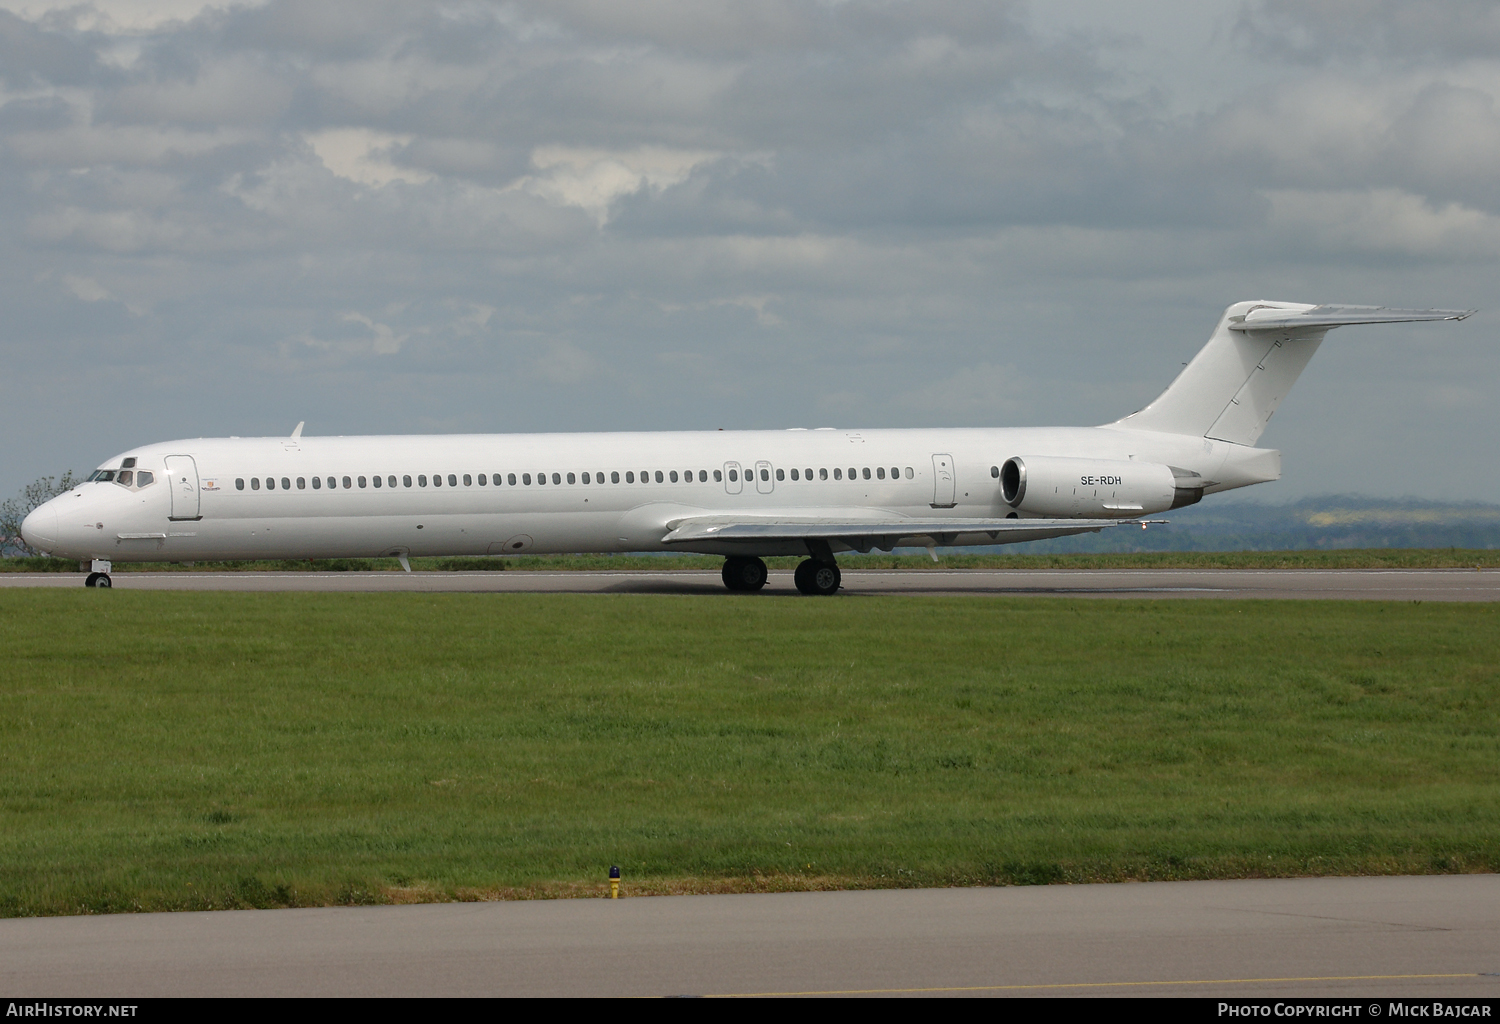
{"x": 1339, "y": 316}
{"x": 864, "y": 534}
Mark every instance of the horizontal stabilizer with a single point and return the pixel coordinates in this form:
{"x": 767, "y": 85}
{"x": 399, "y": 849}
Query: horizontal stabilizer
{"x": 884, "y": 534}
{"x": 1270, "y": 318}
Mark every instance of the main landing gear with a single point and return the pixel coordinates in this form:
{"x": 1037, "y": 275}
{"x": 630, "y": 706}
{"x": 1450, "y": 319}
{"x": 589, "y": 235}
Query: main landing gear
{"x": 815, "y": 576}
{"x": 744, "y": 573}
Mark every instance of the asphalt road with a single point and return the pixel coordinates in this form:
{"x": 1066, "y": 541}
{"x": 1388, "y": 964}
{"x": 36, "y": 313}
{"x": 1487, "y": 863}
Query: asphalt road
{"x": 1344, "y": 584}
{"x": 1361, "y": 938}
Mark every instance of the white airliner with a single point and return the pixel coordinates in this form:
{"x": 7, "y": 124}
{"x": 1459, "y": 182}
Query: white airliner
{"x": 741, "y": 494}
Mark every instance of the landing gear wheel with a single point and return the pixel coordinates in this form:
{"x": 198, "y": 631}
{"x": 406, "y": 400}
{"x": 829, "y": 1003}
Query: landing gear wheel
{"x": 816, "y": 578}
{"x": 98, "y": 579}
{"x": 744, "y": 573}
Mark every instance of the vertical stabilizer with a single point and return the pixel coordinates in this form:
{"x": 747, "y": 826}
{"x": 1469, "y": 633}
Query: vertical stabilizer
{"x": 1235, "y": 383}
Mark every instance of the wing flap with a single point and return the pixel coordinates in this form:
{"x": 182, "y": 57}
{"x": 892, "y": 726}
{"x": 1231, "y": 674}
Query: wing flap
{"x": 1321, "y": 317}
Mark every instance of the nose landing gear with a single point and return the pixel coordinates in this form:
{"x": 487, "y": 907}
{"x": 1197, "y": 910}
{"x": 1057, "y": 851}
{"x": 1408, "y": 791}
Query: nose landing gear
{"x": 99, "y": 577}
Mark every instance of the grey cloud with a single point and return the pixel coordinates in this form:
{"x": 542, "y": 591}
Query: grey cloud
{"x": 412, "y": 216}
{"x": 1404, "y": 30}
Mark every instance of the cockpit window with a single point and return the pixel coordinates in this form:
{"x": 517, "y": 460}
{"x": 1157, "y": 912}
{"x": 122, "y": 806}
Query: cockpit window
{"x": 128, "y": 464}
{"x": 144, "y": 478}
{"x": 126, "y": 478}
{"x": 104, "y": 476}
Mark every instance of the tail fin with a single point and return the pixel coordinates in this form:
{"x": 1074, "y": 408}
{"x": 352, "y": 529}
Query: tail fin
{"x": 1234, "y": 384}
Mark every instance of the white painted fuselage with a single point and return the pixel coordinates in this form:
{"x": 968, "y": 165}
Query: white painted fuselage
{"x": 317, "y": 497}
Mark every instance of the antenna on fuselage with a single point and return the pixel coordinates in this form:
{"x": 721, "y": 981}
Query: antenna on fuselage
{"x": 297, "y": 433}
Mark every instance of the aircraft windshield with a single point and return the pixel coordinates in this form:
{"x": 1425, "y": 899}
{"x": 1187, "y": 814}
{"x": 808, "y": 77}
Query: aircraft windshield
{"x": 102, "y": 475}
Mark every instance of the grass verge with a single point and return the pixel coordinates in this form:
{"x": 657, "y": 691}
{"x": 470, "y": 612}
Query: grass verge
{"x": 193, "y": 751}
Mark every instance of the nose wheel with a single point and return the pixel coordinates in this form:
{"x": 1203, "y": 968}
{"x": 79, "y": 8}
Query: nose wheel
{"x": 745, "y": 574}
{"x": 817, "y": 578}
{"x": 98, "y": 579}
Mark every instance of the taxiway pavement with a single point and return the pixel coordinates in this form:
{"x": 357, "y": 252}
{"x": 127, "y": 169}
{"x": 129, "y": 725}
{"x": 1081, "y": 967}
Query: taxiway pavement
{"x": 1359, "y": 938}
{"x": 1341, "y": 584}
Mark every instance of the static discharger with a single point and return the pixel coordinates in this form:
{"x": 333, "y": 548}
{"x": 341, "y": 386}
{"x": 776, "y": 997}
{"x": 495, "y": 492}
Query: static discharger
{"x": 614, "y": 882}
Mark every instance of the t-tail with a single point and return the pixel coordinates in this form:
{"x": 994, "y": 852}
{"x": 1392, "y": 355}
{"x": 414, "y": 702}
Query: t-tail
{"x": 1234, "y": 384}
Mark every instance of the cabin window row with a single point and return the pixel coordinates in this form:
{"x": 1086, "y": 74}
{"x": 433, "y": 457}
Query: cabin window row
{"x": 271, "y": 483}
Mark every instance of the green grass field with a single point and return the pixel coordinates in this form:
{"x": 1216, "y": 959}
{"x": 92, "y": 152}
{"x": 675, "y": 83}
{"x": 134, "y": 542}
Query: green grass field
{"x": 197, "y": 750}
{"x": 1367, "y": 558}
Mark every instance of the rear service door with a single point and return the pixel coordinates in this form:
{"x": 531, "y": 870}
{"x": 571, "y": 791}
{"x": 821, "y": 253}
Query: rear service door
{"x": 182, "y": 477}
{"x": 942, "y": 482}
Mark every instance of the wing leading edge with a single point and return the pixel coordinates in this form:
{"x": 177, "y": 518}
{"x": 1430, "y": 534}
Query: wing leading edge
{"x": 862, "y": 535}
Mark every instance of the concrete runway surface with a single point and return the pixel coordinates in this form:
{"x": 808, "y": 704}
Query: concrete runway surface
{"x": 1343, "y": 584}
{"x": 1365, "y": 938}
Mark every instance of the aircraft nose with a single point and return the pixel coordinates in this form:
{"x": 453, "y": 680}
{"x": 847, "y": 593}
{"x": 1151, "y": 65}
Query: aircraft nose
{"x": 39, "y": 529}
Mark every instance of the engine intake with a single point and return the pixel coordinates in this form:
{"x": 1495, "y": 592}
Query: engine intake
{"x": 1095, "y": 488}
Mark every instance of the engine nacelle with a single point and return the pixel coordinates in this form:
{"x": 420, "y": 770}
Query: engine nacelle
{"x": 1095, "y": 488}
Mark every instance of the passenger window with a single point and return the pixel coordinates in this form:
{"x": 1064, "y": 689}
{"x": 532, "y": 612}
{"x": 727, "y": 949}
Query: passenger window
{"x": 452, "y": 480}
{"x": 332, "y": 482}
{"x": 510, "y": 478}
{"x": 526, "y": 479}
{"x": 255, "y": 483}
{"x": 703, "y": 476}
{"x": 995, "y": 472}
{"x": 908, "y": 473}
{"x": 270, "y": 483}
{"x": 437, "y": 479}
{"x": 822, "y": 474}
{"x": 125, "y": 477}
{"x": 468, "y": 480}
{"x": 807, "y": 473}
{"x": 719, "y": 476}
{"x": 376, "y": 481}
{"x": 780, "y": 474}
{"x": 765, "y": 474}
{"x": 585, "y": 478}
{"x": 570, "y": 478}
{"x": 239, "y": 483}
{"x": 880, "y": 472}
{"x": 556, "y": 478}
{"x": 362, "y": 482}
{"x": 541, "y": 478}
{"x": 482, "y": 481}
{"x": 346, "y": 481}
{"x": 421, "y": 480}
{"x": 286, "y": 485}
{"x": 795, "y": 476}
{"x": 405, "y": 481}
{"x": 301, "y": 483}
{"x": 629, "y": 477}
{"x": 838, "y": 474}
{"x": 614, "y": 477}
{"x": 317, "y": 483}
{"x": 867, "y": 472}
{"x": 734, "y": 477}
{"x": 673, "y": 476}
{"x": 895, "y": 472}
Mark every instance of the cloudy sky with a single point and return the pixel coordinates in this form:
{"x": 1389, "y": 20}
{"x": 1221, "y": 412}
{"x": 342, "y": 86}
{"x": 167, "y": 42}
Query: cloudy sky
{"x": 391, "y": 217}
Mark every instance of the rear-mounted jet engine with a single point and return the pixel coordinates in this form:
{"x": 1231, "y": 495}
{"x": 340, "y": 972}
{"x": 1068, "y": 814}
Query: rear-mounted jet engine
{"x": 1095, "y": 488}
